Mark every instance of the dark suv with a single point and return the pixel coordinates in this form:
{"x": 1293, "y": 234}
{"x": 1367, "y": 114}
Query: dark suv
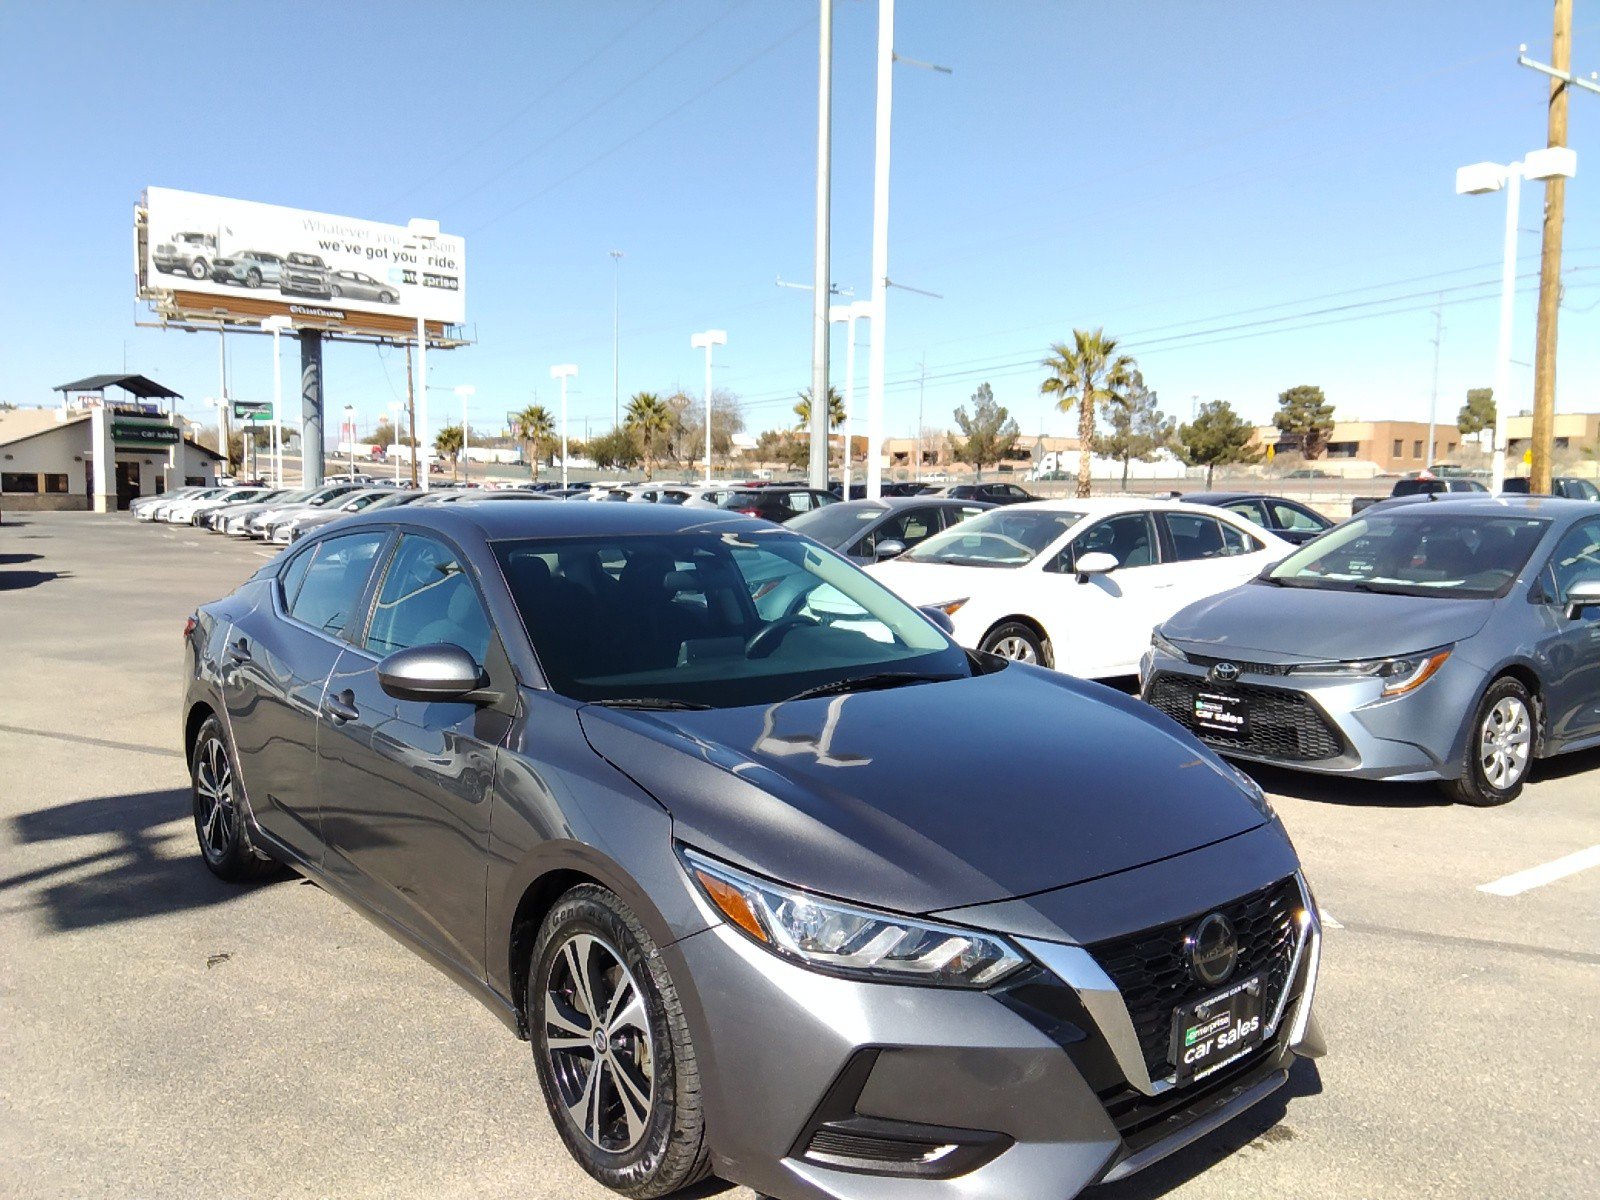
{"x": 989, "y": 493}
{"x": 777, "y": 503}
{"x": 304, "y": 275}
{"x": 1568, "y": 487}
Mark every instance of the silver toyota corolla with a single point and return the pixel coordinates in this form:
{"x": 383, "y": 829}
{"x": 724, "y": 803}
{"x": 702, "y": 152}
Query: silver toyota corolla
{"x": 1454, "y": 640}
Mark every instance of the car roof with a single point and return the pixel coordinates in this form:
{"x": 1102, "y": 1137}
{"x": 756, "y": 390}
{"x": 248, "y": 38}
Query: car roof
{"x": 893, "y": 503}
{"x": 1223, "y": 497}
{"x": 1485, "y": 503}
{"x": 529, "y": 518}
{"x": 1098, "y": 505}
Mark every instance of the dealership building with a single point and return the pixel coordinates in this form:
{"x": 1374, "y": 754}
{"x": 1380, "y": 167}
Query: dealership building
{"x": 91, "y": 452}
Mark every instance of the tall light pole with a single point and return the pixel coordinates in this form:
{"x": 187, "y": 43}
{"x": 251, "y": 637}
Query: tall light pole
{"x": 350, "y": 432}
{"x": 564, "y": 372}
{"x": 1475, "y": 180}
{"x": 277, "y": 324}
{"x": 395, "y": 409}
{"x": 822, "y": 276}
{"x": 466, "y": 391}
{"x": 425, "y": 231}
{"x": 616, "y": 338}
{"x": 880, "y": 249}
{"x": 849, "y": 314}
{"x": 705, "y": 341}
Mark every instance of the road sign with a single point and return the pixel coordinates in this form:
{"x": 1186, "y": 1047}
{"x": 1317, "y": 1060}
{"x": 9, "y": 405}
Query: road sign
{"x": 252, "y": 410}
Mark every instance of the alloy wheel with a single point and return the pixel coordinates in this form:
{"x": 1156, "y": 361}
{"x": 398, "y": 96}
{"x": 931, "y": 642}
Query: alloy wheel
{"x": 1504, "y": 742}
{"x": 213, "y": 785}
{"x": 1017, "y": 649}
{"x": 597, "y": 1038}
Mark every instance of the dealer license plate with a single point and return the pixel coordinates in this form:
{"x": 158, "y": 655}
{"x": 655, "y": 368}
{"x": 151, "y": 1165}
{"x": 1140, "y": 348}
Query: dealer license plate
{"x": 1221, "y": 716}
{"x": 1216, "y": 1031}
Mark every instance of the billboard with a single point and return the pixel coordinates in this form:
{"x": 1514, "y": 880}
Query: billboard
{"x": 213, "y": 257}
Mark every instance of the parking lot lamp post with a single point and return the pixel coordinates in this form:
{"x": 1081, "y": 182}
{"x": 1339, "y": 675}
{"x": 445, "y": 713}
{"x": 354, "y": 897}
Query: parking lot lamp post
{"x": 277, "y": 324}
{"x": 425, "y": 231}
{"x": 394, "y": 425}
{"x": 350, "y": 426}
{"x": 1475, "y": 180}
{"x": 564, "y": 372}
{"x": 704, "y": 341}
{"x": 466, "y": 391}
{"x": 849, "y": 314}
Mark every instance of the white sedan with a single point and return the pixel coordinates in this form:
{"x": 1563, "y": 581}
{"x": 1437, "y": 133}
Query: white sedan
{"x": 1078, "y": 584}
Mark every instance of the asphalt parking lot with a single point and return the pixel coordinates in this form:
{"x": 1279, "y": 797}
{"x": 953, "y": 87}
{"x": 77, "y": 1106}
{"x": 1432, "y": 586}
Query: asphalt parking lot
{"x": 169, "y": 1035}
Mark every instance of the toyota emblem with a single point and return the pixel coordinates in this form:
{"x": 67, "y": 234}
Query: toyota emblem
{"x": 1225, "y": 672}
{"x": 1212, "y": 949}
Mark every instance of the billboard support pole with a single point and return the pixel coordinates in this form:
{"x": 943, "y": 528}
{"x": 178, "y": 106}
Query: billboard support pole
{"x": 411, "y": 416}
{"x": 311, "y": 448}
{"x": 422, "y": 397}
{"x": 224, "y": 428}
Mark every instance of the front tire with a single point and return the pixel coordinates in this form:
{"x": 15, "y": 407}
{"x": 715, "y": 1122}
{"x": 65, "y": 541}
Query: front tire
{"x": 219, "y": 822}
{"x": 612, "y": 1049}
{"x": 199, "y": 269}
{"x": 1500, "y": 747}
{"x": 1019, "y": 643}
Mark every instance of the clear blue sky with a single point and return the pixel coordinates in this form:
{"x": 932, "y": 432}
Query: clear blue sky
{"x": 1161, "y": 168}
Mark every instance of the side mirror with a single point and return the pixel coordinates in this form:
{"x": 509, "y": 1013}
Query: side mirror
{"x": 889, "y": 548}
{"x": 1096, "y": 562}
{"x": 439, "y": 672}
{"x": 939, "y": 617}
{"x": 1581, "y": 595}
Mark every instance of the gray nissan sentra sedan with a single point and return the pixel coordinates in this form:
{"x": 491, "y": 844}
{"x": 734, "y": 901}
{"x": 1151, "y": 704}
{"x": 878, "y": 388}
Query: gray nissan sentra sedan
{"x": 777, "y": 880}
{"x": 1453, "y": 639}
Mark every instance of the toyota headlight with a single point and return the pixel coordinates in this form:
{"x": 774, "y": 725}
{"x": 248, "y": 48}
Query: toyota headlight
{"x": 1401, "y": 674}
{"x": 842, "y": 939}
{"x": 1165, "y": 648}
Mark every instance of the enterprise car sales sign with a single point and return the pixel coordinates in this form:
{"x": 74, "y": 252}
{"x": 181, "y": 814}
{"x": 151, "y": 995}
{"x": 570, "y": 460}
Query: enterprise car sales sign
{"x": 203, "y": 253}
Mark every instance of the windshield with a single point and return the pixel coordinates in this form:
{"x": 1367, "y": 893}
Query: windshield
{"x": 836, "y": 524}
{"x": 1001, "y": 537}
{"x": 1416, "y": 553}
{"x": 705, "y": 618}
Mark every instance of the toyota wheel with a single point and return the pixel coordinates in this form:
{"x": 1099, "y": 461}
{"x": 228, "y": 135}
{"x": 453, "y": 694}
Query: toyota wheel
{"x": 1018, "y": 642}
{"x": 1500, "y": 747}
{"x": 612, "y": 1049}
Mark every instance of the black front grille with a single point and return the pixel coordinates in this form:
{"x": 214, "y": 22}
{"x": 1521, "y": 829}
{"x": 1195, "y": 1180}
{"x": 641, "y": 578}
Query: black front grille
{"x": 1152, "y": 972}
{"x": 1285, "y": 726}
{"x": 1245, "y": 668}
{"x": 837, "y": 1143}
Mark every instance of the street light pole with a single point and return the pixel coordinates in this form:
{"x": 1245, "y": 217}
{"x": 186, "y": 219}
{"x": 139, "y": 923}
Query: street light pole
{"x": 849, "y": 314}
{"x": 277, "y": 324}
{"x": 822, "y": 276}
{"x": 350, "y": 432}
{"x": 395, "y": 408}
{"x": 564, "y": 372}
{"x": 705, "y": 341}
{"x": 880, "y": 248}
{"x": 616, "y": 338}
{"x": 425, "y": 231}
{"x": 466, "y": 391}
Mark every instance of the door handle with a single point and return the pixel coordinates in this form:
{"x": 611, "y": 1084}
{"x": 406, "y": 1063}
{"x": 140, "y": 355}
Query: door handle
{"x": 341, "y": 707}
{"x": 239, "y": 651}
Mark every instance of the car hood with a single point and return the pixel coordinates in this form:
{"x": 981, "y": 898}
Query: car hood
{"x": 1292, "y": 624}
{"x": 933, "y": 795}
{"x": 936, "y": 583}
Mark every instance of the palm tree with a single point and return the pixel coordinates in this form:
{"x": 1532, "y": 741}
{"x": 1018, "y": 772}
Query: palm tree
{"x": 1087, "y": 373}
{"x": 802, "y": 410}
{"x": 449, "y": 442}
{"x": 536, "y": 427}
{"x": 648, "y": 418}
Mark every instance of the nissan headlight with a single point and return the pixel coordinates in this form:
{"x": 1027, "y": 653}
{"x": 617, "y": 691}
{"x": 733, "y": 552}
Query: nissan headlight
{"x": 1401, "y": 674}
{"x": 842, "y": 939}
{"x": 1164, "y": 648}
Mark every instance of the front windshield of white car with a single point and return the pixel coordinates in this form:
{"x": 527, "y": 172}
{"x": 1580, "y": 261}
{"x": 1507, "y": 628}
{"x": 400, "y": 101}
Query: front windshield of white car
{"x": 1416, "y": 552}
{"x": 1001, "y": 537}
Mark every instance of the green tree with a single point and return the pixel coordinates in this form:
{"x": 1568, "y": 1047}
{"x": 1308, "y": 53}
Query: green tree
{"x": 535, "y": 428}
{"x": 449, "y": 443}
{"x": 784, "y": 447}
{"x": 802, "y": 409}
{"x": 1087, "y": 373}
{"x": 1305, "y": 416}
{"x": 1139, "y": 429}
{"x": 649, "y": 420}
{"x": 1218, "y": 437}
{"x": 1478, "y": 413}
{"x": 988, "y": 432}
{"x": 618, "y": 448}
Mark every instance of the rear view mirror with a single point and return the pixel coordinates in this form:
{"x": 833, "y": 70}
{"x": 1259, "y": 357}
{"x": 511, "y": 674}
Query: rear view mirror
{"x": 939, "y": 617}
{"x": 1096, "y": 562}
{"x": 889, "y": 548}
{"x": 1581, "y": 595}
{"x": 439, "y": 672}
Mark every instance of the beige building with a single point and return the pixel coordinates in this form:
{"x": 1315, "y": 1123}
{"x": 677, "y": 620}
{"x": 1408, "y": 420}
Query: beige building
{"x": 47, "y": 457}
{"x": 1397, "y": 447}
{"x": 1573, "y": 433}
{"x": 900, "y": 454}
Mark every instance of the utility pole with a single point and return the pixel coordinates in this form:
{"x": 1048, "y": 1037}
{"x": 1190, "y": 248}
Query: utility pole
{"x": 1433, "y": 396}
{"x": 922, "y": 385}
{"x": 411, "y": 415}
{"x": 822, "y": 278}
{"x": 1555, "y": 202}
{"x": 880, "y": 252}
{"x": 616, "y": 338}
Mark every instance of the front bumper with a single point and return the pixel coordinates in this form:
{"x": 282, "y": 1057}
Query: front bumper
{"x": 1329, "y": 726}
{"x": 821, "y": 1088}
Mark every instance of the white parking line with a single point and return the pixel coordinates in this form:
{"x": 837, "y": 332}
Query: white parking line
{"x": 1523, "y": 881}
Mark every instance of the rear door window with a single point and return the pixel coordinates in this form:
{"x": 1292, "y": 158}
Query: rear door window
{"x": 1195, "y": 537}
{"x": 335, "y": 579}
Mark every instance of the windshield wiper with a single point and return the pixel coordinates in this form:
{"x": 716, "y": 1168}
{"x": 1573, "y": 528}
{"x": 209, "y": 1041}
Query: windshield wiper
{"x": 870, "y": 683}
{"x": 657, "y": 702}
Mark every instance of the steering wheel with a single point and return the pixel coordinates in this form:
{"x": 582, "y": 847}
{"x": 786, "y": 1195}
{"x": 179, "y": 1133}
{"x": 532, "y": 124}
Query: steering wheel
{"x": 765, "y": 640}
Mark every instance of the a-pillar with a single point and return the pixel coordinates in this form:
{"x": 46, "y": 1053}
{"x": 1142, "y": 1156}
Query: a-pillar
{"x": 104, "y": 463}
{"x": 310, "y": 408}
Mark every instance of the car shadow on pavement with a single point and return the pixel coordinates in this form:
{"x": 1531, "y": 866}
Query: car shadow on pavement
{"x": 1256, "y": 1131}
{"x": 137, "y": 859}
{"x": 1334, "y": 789}
{"x": 11, "y": 560}
{"x": 13, "y": 581}
{"x": 1564, "y": 765}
